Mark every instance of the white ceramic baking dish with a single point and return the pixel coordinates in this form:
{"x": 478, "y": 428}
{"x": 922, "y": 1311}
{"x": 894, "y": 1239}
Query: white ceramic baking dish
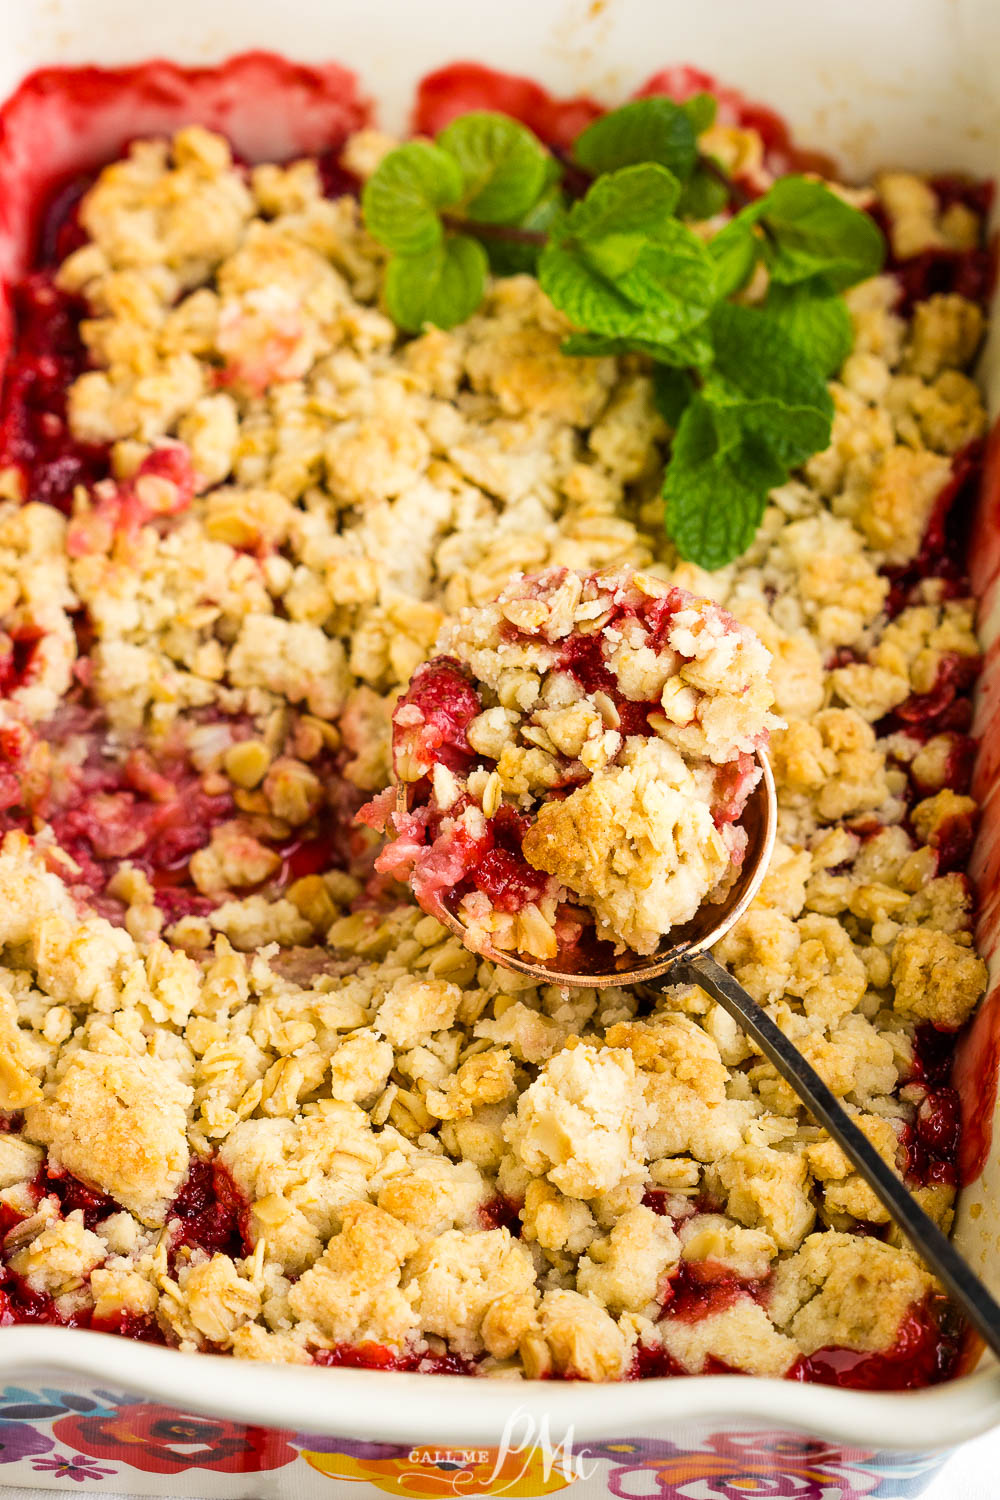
{"x": 906, "y": 82}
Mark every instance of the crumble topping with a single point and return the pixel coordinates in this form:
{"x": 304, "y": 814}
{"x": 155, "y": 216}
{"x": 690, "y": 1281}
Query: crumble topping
{"x": 253, "y": 1099}
{"x": 741, "y": 1337}
{"x": 119, "y": 1123}
{"x": 636, "y": 844}
{"x": 842, "y": 1289}
{"x": 581, "y": 1123}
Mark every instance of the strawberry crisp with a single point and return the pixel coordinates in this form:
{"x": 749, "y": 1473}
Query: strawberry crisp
{"x": 587, "y": 739}
{"x": 255, "y": 542}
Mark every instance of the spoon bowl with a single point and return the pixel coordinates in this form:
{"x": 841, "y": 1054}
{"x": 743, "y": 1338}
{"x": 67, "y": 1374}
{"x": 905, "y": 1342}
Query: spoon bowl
{"x": 598, "y": 966}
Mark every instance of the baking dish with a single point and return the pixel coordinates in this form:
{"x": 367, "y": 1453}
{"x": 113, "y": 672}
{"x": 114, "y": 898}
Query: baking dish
{"x": 907, "y": 84}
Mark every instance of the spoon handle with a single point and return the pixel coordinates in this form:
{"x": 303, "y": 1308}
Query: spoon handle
{"x": 965, "y": 1287}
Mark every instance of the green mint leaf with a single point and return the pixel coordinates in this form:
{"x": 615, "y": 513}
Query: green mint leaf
{"x": 691, "y": 351}
{"x": 674, "y": 278}
{"x": 647, "y": 130}
{"x": 734, "y": 251}
{"x": 812, "y": 232}
{"x": 595, "y": 345}
{"x": 504, "y": 166}
{"x": 443, "y": 286}
{"x": 620, "y": 215}
{"x": 402, "y": 197}
{"x": 716, "y": 487}
{"x": 816, "y": 319}
{"x": 638, "y": 200}
{"x": 761, "y": 382}
{"x": 586, "y": 297}
{"x": 755, "y": 356}
{"x": 703, "y": 197}
{"x": 672, "y": 391}
{"x": 700, "y": 110}
{"x": 665, "y": 294}
{"x": 615, "y": 254}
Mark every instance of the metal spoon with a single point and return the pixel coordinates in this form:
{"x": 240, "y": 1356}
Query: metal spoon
{"x": 685, "y": 956}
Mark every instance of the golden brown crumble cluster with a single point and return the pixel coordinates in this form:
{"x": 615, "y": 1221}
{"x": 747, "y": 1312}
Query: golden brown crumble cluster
{"x": 373, "y": 1090}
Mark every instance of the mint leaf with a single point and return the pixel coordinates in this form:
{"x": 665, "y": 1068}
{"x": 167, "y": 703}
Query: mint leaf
{"x": 700, "y": 110}
{"x": 761, "y": 379}
{"x": 675, "y": 278}
{"x": 666, "y": 293}
{"x": 754, "y": 355}
{"x": 504, "y": 166}
{"x": 716, "y": 486}
{"x": 812, "y": 232}
{"x": 705, "y": 194}
{"x": 703, "y": 197}
{"x": 402, "y": 197}
{"x": 594, "y": 345}
{"x": 443, "y": 286}
{"x": 621, "y": 214}
{"x": 672, "y": 390}
{"x": 615, "y": 254}
{"x": 647, "y": 130}
{"x": 637, "y": 200}
{"x": 816, "y": 319}
{"x": 690, "y": 351}
{"x": 589, "y": 299}
{"x": 734, "y": 250}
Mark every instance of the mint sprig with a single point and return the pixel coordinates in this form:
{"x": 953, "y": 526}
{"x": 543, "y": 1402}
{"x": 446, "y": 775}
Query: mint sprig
{"x": 743, "y": 387}
{"x": 619, "y": 264}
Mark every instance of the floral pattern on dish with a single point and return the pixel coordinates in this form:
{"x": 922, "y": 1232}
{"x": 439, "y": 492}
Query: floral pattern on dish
{"x": 96, "y": 1430}
{"x": 71, "y": 1466}
{"x": 729, "y": 1466}
{"x": 20, "y": 1440}
{"x": 158, "y": 1440}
